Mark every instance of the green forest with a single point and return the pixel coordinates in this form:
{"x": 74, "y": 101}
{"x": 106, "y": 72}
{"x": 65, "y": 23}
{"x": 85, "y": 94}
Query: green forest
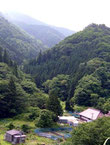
{"x": 18, "y": 43}
{"x": 83, "y": 61}
{"x": 38, "y": 84}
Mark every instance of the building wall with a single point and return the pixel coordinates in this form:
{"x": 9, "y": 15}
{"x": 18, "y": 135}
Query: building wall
{"x": 63, "y": 121}
{"x": 8, "y": 137}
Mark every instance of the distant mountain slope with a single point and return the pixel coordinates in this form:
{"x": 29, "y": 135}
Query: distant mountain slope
{"x": 19, "y": 17}
{"x": 64, "y": 31}
{"x": 48, "y": 34}
{"x": 75, "y": 51}
{"x": 18, "y": 43}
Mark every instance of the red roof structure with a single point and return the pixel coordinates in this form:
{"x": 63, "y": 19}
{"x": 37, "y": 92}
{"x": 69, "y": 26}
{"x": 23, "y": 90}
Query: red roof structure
{"x": 90, "y": 114}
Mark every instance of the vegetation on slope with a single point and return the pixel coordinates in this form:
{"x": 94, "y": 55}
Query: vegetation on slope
{"x": 85, "y": 56}
{"x": 49, "y": 35}
{"x": 83, "y": 62}
{"x": 18, "y": 43}
{"x": 92, "y": 133}
{"x": 17, "y": 90}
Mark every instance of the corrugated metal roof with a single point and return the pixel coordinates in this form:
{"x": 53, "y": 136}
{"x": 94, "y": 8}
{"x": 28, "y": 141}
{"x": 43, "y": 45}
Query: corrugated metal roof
{"x": 13, "y": 132}
{"x": 90, "y": 113}
{"x": 67, "y": 118}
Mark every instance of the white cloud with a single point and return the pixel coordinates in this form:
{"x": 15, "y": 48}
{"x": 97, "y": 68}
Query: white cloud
{"x": 73, "y": 14}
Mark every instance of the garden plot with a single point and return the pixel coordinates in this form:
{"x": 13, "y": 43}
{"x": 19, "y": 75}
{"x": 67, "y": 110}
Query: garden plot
{"x": 54, "y": 133}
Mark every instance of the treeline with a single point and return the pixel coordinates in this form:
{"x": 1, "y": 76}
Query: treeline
{"x": 19, "y": 94}
{"x": 18, "y": 43}
{"x": 66, "y": 57}
{"x": 92, "y": 133}
{"x": 85, "y": 57}
{"x": 4, "y": 57}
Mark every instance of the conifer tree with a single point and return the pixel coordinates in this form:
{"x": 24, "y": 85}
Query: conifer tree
{"x": 5, "y": 57}
{"x": 1, "y": 54}
{"x": 15, "y": 69}
{"x": 68, "y": 105}
{"x": 12, "y": 103}
{"x": 53, "y": 103}
{"x": 39, "y": 58}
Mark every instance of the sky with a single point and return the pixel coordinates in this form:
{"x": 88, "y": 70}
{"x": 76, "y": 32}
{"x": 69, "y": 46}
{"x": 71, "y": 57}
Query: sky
{"x": 72, "y": 14}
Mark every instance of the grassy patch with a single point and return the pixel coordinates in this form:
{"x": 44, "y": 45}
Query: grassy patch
{"x": 32, "y": 138}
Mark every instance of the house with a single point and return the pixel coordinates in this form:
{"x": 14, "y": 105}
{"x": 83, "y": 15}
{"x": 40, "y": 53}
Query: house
{"x": 15, "y": 136}
{"x": 71, "y": 120}
{"x": 90, "y": 114}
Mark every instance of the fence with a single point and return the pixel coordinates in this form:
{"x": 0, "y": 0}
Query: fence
{"x": 51, "y": 132}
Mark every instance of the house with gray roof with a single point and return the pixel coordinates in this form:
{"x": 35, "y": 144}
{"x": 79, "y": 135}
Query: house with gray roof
{"x": 15, "y": 136}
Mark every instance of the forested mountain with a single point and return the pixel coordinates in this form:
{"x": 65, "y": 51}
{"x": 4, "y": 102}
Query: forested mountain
{"x": 19, "y": 17}
{"x": 46, "y": 34}
{"x": 17, "y": 42}
{"x": 67, "y": 56}
{"x": 18, "y": 92}
{"x": 85, "y": 56}
{"x": 64, "y": 31}
{"x": 49, "y": 35}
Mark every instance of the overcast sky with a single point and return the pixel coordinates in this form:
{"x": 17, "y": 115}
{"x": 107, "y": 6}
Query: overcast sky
{"x": 72, "y": 14}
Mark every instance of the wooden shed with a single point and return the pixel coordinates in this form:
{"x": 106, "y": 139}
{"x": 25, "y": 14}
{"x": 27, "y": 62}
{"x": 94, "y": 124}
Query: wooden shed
{"x": 15, "y": 136}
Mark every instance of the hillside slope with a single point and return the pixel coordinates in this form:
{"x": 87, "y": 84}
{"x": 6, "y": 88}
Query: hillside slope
{"x": 64, "y": 31}
{"x": 65, "y": 58}
{"x": 18, "y": 93}
{"x": 85, "y": 56}
{"x": 18, "y": 43}
{"x": 49, "y": 35}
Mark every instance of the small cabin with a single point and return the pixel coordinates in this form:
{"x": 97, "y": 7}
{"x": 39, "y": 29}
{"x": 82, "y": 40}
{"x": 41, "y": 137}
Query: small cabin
{"x": 15, "y": 136}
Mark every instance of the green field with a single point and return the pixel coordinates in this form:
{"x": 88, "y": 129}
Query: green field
{"x": 32, "y": 138}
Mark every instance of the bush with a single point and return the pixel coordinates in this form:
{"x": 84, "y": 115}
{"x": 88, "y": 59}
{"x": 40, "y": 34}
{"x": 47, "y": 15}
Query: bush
{"x": 92, "y": 133}
{"x": 34, "y": 113}
{"x": 11, "y": 126}
{"x": 45, "y": 119}
{"x": 25, "y": 128}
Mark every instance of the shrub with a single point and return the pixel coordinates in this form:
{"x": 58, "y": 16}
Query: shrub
{"x": 45, "y": 119}
{"x": 25, "y": 128}
{"x": 11, "y": 126}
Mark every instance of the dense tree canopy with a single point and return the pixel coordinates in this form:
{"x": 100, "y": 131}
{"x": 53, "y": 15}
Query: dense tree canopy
{"x": 17, "y": 90}
{"x": 60, "y": 83}
{"x": 85, "y": 57}
{"x": 19, "y": 44}
{"x": 53, "y": 103}
{"x": 45, "y": 119}
{"x": 94, "y": 133}
{"x": 66, "y": 57}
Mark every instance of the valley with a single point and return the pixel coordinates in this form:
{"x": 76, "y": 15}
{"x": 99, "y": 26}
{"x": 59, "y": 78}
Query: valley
{"x": 55, "y": 82}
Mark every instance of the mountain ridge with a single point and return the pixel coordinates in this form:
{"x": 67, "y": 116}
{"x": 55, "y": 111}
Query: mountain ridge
{"x": 65, "y": 57}
{"x": 48, "y": 34}
{"x": 18, "y": 43}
